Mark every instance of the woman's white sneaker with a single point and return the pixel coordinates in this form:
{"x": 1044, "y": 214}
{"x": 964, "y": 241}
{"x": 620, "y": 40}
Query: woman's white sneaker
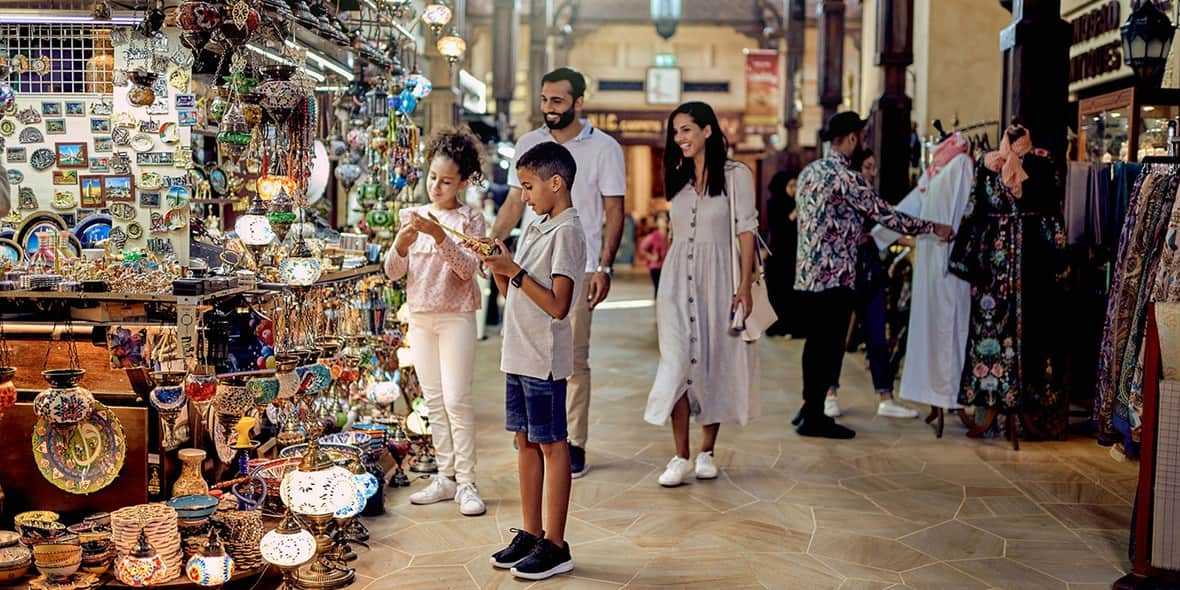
{"x": 470, "y": 504}
{"x": 891, "y": 409}
{"x": 678, "y": 469}
{"x": 441, "y": 488}
{"x": 705, "y": 467}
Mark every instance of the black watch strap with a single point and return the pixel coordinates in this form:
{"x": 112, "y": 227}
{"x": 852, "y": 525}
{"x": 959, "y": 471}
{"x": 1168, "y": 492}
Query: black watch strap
{"x": 519, "y": 278}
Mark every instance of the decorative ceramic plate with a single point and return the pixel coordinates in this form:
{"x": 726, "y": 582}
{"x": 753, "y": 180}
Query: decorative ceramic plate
{"x": 26, "y": 234}
{"x": 217, "y": 181}
{"x": 10, "y": 251}
{"x": 7, "y": 127}
{"x": 15, "y": 176}
{"x": 84, "y": 458}
{"x": 42, "y": 159}
{"x": 141, "y": 143}
{"x": 93, "y": 229}
{"x": 31, "y": 135}
{"x": 134, "y": 230}
{"x": 122, "y": 211}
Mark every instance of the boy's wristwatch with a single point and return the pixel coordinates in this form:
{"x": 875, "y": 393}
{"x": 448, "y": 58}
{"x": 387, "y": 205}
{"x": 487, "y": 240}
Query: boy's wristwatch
{"x": 519, "y": 278}
{"x": 608, "y": 271}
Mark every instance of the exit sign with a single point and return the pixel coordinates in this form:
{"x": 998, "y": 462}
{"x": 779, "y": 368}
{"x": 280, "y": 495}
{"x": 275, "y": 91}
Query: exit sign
{"x": 665, "y": 60}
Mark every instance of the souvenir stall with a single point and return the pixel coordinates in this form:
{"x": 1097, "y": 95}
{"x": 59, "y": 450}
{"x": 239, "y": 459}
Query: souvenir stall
{"x": 196, "y": 335}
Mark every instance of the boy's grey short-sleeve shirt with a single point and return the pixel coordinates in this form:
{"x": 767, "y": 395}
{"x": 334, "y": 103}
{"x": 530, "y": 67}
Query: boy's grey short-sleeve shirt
{"x": 535, "y": 344}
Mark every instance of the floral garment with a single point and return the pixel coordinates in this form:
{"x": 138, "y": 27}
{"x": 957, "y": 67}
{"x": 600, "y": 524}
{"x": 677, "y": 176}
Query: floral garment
{"x": 833, "y": 204}
{"x": 1011, "y": 251}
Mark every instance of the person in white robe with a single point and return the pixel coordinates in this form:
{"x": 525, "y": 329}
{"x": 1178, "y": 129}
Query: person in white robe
{"x": 940, "y": 308}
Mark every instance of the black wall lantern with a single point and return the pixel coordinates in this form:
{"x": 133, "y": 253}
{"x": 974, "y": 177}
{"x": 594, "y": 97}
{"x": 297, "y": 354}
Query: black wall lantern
{"x": 1147, "y": 40}
{"x": 378, "y": 103}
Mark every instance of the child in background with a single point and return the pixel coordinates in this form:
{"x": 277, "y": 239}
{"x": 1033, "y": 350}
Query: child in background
{"x": 443, "y": 297}
{"x": 654, "y": 248}
{"x": 537, "y": 357}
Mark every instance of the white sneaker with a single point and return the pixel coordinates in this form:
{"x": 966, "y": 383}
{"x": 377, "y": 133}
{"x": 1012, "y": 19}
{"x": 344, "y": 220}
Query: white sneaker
{"x": 891, "y": 409}
{"x": 470, "y": 504}
{"x": 678, "y": 469}
{"x": 831, "y": 406}
{"x": 705, "y": 467}
{"x": 441, "y": 488}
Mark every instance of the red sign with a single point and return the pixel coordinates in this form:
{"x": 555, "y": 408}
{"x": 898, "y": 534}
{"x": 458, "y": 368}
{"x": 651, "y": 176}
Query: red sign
{"x": 762, "y": 91}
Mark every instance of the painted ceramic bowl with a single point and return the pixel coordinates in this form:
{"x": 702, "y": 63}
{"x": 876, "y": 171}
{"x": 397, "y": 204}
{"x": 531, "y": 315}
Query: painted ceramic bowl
{"x": 351, "y": 437}
{"x": 14, "y": 572}
{"x": 15, "y": 555}
{"x": 56, "y": 553}
{"x": 35, "y": 515}
{"x": 339, "y": 454}
{"x": 40, "y": 531}
{"x": 195, "y": 507}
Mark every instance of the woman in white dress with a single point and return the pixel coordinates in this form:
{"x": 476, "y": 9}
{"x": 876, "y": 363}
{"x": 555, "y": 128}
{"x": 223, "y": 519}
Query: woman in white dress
{"x": 705, "y": 370}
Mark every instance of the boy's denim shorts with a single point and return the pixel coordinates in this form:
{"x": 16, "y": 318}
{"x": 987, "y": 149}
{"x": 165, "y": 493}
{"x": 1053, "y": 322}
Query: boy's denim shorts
{"x": 535, "y": 407}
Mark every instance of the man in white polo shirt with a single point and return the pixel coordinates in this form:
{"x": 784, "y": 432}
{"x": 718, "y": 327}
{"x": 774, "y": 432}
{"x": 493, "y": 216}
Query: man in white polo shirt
{"x": 598, "y": 196}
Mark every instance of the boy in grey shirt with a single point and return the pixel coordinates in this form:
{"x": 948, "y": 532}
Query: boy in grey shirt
{"x": 537, "y": 356}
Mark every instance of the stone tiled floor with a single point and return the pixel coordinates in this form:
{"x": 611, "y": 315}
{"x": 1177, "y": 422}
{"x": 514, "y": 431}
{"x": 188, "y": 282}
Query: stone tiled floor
{"x": 893, "y": 509}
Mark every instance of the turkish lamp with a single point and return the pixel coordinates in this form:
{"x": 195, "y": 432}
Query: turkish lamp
{"x": 366, "y": 487}
{"x": 1147, "y": 39}
{"x": 213, "y": 566}
{"x": 143, "y": 566}
{"x": 281, "y": 213}
{"x": 287, "y": 546}
{"x": 270, "y": 185}
{"x": 317, "y": 487}
{"x": 452, "y": 47}
{"x": 253, "y": 228}
{"x": 300, "y": 268}
{"x": 436, "y": 15}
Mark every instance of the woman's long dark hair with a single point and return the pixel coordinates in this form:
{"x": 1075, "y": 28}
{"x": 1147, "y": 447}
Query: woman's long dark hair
{"x": 678, "y": 170}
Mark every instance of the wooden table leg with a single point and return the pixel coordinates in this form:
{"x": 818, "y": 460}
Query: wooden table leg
{"x": 975, "y": 430}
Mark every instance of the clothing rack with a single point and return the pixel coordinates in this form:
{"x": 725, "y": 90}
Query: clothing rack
{"x": 1143, "y": 573}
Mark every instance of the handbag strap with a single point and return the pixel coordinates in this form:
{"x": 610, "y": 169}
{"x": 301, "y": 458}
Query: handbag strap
{"x": 734, "y": 246}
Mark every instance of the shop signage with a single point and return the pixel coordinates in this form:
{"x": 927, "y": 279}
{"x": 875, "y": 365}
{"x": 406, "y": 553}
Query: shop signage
{"x": 762, "y": 90}
{"x": 1096, "y": 53}
{"x": 648, "y": 127}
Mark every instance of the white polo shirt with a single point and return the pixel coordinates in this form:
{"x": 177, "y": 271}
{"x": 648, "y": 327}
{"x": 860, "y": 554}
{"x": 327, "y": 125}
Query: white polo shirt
{"x": 602, "y": 171}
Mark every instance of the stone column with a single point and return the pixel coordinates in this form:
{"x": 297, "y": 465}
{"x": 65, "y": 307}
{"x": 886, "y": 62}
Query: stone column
{"x": 831, "y": 57}
{"x": 539, "y": 16}
{"x": 505, "y": 32}
{"x": 796, "y": 46}
{"x": 891, "y": 113}
{"x": 1036, "y": 72}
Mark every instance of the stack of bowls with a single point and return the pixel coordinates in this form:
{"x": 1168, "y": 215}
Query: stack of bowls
{"x": 159, "y": 522}
{"x": 57, "y": 560}
{"x": 98, "y": 550}
{"x": 241, "y": 531}
{"x": 15, "y": 558}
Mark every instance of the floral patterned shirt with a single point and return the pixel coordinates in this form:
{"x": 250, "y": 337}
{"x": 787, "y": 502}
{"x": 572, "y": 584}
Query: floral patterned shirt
{"x": 834, "y": 203}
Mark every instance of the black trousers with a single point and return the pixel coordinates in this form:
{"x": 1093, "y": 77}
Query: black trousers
{"x": 826, "y": 315}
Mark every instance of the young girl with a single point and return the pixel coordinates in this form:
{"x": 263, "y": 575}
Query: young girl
{"x": 443, "y": 297}
{"x": 654, "y": 248}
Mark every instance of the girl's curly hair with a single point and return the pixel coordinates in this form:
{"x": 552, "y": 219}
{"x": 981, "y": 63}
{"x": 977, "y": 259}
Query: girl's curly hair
{"x": 462, "y": 147}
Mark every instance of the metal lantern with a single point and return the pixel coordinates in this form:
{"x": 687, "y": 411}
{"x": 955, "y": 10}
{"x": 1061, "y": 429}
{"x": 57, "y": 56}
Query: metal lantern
{"x": 436, "y": 15}
{"x": 452, "y": 47}
{"x": 377, "y": 101}
{"x": 1147, "y": 39}
{"x": 665, "y": 14}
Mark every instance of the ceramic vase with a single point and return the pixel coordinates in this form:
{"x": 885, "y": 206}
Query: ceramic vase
{"x": 190, "y": 482}
{"x": 64, "y": 402}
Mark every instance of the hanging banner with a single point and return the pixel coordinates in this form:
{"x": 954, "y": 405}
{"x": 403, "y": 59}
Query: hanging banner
{"x": 762, "y": 91}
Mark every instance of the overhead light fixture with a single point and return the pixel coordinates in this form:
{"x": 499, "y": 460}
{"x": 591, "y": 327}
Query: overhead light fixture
{"x": 1147, "y": 40}
{"x": 318, "y": 77}
{"x": 452, "y": 47}
{"x": 436, "y": 15}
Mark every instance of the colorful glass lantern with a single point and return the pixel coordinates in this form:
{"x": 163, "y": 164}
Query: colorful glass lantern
{"x": 452, "y": 47}
{"x": 300, "y": 268}
{"x": 270, "y": 185}
{"x": 213, "y": 566}
{"x": 142, "y": 567}
{"x": 436, "y": 15}
{"x": 253, "y": 228}
{"x": 288, "y": 545}
{"x": 317, "y": 487}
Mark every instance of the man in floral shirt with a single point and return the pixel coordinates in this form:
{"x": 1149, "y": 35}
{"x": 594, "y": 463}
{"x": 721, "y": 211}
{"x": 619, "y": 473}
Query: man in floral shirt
{"x": 833, "y": 204}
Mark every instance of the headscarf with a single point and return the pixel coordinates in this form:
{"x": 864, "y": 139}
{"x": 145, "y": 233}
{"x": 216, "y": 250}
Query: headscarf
{"x": 946, "y": 151}
{"x": 1007, "y": 160}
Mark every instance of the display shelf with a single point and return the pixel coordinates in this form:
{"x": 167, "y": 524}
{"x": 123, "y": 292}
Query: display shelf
{"x": 156, "y": 297}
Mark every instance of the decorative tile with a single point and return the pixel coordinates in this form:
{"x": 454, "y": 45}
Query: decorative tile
{"x": 873, "y": 552}
{"x": 955, "y": 540}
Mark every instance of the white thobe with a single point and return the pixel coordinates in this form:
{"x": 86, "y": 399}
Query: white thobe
{"x": 940, "y": 308}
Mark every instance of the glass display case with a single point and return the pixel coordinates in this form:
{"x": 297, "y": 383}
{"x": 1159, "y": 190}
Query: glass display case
{"x": 1127, "y": 125}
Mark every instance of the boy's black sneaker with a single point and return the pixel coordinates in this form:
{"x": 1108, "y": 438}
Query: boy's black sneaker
{"x": 520, "y": 548}
{"x": 577, "y": 462}
{"x": 546, "y": 560}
